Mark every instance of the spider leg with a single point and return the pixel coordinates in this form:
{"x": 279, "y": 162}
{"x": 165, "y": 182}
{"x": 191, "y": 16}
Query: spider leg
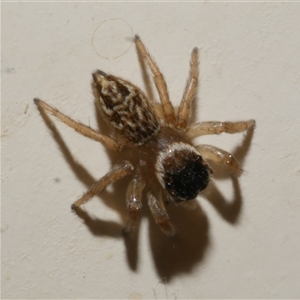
{"x": 159, "y": 81}
{"x": 204, "y": 128}
{"x": 118, "y": 172}
{"x": 159, "y": 111}
{"x": 160, "y": 214}
{"x": 134, "y": 203}
{"x": 79, "y": 127}
{"x": 220, "y": 156}
{"x": 189, "y": 92}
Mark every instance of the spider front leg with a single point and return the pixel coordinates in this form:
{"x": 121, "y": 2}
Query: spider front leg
{"x": 134, "y": 203}
{"x": 118, "y": 172}
{"x": 204, "y": 128}
{"x": 160, "y": 214}
{"x": 160, "y": 82}
{"x": 220, "y": 156}
{"x": 81, "y": 128}
{"x": 189, "y": 92}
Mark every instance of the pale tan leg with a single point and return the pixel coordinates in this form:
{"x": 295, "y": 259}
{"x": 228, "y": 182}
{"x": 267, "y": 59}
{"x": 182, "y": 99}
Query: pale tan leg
{"x": 134, "y": 203}
{"x": 160, "y": 214}
{"x": 159, "y": 82}
{"x": 159, "y": 111}
{"x": 115, "y": 174}
{"x": 204, "y": 128}
{"x": 81, "y": 128}
{"x": 189, "y": 92}
{"x": 220, "y": 156}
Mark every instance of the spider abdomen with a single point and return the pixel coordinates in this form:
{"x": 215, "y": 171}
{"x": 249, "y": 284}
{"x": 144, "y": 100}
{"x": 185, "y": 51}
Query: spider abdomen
{"x": 126, "y": 108}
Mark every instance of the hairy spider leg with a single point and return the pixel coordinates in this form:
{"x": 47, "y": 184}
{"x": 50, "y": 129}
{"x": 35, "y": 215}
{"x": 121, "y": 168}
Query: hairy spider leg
{"x": 79, "y": 127}
{"x": 118, "y": 172}
{"x": 204, "y": 128}
{"x": 159, "y": 81}
{"x": 158, "y": 110}
{"x": 159, "y": 213}
{"x": 189, "y": 91}
{"x": 134, "y": 202}
{"x": 220, "y": 156}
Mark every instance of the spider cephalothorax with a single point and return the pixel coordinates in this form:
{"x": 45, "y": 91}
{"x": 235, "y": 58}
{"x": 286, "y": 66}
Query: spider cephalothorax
{"x": 154, "y": 142}
{"x": 182, "y": 171}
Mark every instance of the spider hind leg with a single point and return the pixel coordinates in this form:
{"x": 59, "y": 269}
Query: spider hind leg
{"x": 189, "y": 92}
{"x": 214, "y": 127}
{"x": 159, "y": 81}
{"x": 79, "y": 127}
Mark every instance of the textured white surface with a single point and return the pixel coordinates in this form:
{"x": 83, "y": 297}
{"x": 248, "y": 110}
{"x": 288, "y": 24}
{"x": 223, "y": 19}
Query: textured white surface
{"x": 250, "y": 62}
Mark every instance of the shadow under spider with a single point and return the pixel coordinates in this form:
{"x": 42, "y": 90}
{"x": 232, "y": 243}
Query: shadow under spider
{"x": 180, "y": 254}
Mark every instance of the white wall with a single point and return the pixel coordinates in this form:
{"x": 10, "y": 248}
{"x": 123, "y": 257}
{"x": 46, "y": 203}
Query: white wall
{"x": 242, "y": 246}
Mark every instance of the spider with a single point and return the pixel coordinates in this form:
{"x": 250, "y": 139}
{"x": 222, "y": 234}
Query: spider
{"x": 154, "y": 141}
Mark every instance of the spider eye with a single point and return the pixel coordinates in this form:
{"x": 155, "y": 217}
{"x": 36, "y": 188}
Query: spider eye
{"x": 184, "y": 183}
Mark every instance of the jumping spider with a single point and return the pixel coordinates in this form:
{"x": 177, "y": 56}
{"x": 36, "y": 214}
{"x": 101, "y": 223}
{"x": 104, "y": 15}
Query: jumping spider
{"x": 154, "y": 142}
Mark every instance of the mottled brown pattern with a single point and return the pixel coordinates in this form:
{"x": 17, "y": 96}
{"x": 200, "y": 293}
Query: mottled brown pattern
{"x": 126, "y": 108}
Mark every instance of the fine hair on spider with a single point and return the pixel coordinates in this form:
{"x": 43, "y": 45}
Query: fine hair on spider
{"x": 154, "y": 141}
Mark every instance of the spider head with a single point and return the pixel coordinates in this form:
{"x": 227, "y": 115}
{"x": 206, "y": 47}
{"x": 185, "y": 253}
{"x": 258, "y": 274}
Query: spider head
{"x": 182, "y": 171}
